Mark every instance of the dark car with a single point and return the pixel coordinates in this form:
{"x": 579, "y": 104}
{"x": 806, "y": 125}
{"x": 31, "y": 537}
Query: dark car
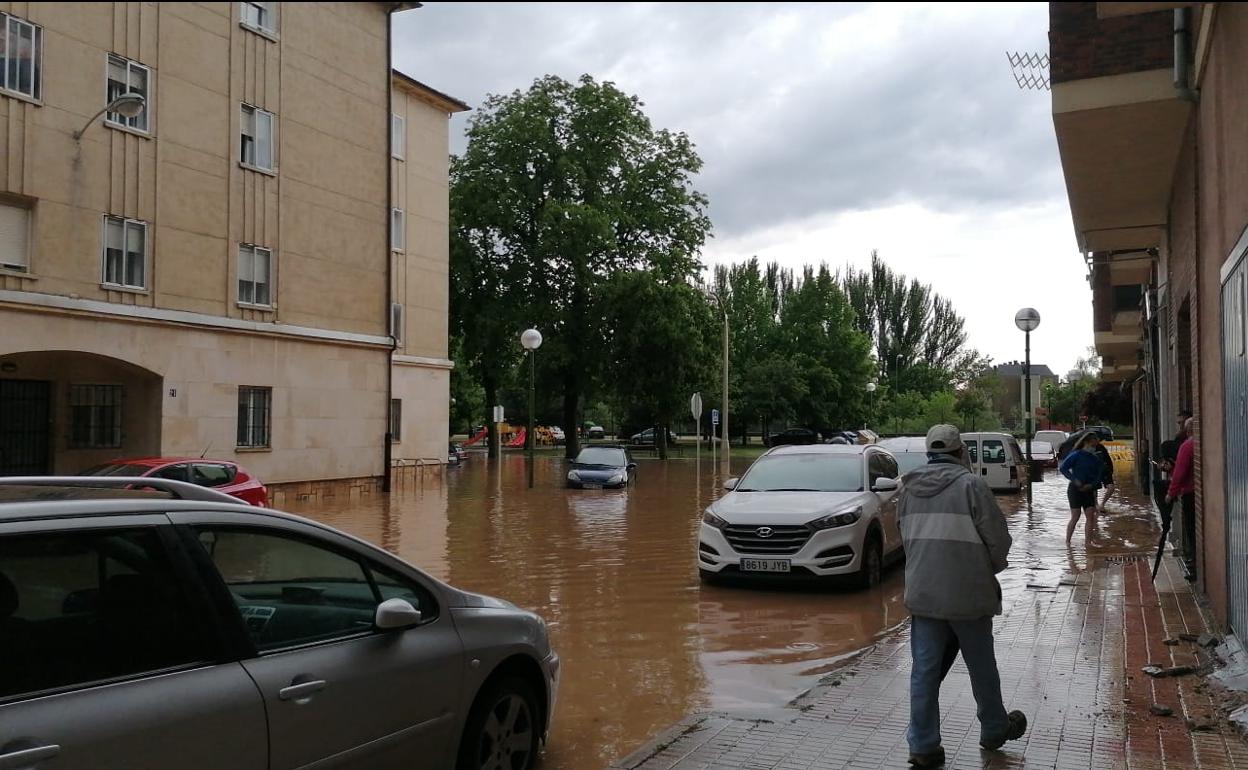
{"x": 793, "y": 437}
{"x": 646, "y": 438}
{"x": 601, "y": 467}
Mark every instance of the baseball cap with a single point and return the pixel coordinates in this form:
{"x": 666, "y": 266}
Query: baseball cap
{"x": 944, "y": 438}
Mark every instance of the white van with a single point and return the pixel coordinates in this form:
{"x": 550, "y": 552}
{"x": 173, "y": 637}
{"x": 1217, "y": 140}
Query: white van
{"x": 997, "y": 458}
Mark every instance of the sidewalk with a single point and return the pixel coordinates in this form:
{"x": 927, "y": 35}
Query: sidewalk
{"x": 1070, "y": 651}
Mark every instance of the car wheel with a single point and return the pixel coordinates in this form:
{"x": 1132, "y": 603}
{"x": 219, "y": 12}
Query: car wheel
{"x": 503, "y": 730}
{"x": 872, "y": 569}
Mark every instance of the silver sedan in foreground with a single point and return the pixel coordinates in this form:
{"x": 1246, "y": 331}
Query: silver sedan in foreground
{"x": 177, "y": 628}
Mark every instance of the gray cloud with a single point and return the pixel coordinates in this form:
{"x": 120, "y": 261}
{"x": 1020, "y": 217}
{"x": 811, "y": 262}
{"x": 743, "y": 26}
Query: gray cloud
{"x": 796, "y": 109}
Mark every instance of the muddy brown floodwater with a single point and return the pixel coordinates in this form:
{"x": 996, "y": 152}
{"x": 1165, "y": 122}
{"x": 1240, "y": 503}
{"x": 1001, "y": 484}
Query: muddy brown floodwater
{"x": 613, "y": 572}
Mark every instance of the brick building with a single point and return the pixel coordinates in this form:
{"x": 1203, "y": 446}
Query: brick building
{"x": 1149, "y": 119}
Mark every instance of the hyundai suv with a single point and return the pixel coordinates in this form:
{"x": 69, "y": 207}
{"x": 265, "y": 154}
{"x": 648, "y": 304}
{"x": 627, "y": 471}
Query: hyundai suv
{"x": 181, "y": 628}
{"x": 818, "y": 511}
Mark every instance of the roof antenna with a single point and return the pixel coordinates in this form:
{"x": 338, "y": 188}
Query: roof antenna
{"x": 205, "y": 452}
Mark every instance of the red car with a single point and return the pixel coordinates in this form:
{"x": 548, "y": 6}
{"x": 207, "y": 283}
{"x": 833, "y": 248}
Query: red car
{"x": 228, "y": 477}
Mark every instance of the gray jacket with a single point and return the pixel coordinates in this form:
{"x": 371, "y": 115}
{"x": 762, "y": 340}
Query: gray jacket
{"x": 956, "y": 542}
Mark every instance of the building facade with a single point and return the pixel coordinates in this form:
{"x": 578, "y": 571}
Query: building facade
{"x": 1149, "y": 114}
{"x": 213, "y": 274}
{"x": 1010, "y": 403}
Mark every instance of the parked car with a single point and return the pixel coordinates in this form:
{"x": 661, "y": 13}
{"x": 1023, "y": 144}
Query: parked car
{"x": 222, "y": 475}
{"x": 601, "y": 467}
{"x": 456, "y": 454}
{"x": 909, "y": 451}
{"x": 1053, "y": 437}
{"x": 595, "y": 431}
{"x": 793, "y": 437}
{"x": 997, "y": 459}
{"x": 227, "y": 630}
{"x": 646, "y": 438}
{"x": 805, "y": 512}
{"x": 1043, "y": 452}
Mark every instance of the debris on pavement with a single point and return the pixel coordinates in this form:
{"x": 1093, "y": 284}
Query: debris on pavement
{"x": 1160, "y": 710}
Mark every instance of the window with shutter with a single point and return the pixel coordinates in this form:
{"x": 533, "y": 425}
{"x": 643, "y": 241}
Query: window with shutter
{"x": 14, "y": 237}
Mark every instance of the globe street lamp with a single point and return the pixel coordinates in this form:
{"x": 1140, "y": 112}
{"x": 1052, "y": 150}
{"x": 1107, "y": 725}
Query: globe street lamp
{"x": 127, "y": 105}
{"x": 531, "y": 340}
{"x": 1027, "y": 320}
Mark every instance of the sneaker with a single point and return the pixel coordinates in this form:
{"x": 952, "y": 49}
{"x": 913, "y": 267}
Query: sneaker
{"x": 1017, "y": 726}
{"x": 930, "y": 759}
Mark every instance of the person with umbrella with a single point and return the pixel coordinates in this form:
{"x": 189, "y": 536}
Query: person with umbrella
{"x": 1085, "y": 469}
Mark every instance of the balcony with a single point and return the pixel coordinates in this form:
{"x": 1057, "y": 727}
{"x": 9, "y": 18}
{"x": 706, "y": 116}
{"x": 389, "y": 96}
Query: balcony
{"x": 1119, "y": 120}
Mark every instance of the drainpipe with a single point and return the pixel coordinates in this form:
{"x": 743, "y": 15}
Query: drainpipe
{"x": 1182, "y": 46}
{"x": 387, "y": 447}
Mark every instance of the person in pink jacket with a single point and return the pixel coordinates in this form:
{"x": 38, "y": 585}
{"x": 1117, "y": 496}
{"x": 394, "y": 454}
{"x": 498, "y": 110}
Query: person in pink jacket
{"x": 1183, "y": 488}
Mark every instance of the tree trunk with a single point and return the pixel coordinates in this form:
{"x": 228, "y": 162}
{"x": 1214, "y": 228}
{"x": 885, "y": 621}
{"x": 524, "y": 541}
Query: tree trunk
{"x": 571, "y": 398}
{"x": 660, "y": 440}
{"x": 491, "y": 392}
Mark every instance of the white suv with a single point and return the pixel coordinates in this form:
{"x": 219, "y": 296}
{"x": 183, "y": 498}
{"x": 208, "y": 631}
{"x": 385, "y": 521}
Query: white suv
{"x": 805, "y": 511}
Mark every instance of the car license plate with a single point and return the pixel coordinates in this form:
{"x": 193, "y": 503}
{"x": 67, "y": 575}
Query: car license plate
{"x": 764, "y": 565}
{"x": 592, "y": 486}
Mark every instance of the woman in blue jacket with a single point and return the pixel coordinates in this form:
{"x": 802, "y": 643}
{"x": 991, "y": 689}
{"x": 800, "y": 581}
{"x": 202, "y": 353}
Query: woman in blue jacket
{"x": 1085, "y": 470}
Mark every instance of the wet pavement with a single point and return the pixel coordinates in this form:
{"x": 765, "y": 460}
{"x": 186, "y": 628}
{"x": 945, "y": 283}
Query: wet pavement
{"x": 613, "y": 572}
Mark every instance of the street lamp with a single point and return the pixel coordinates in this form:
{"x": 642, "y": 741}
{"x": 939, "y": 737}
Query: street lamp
{"x": 871, "y": 386}
{"x": 127, "y": 105}
{"x": 531, "y": 340}
{"x": 1027, "y": 320}
{"x": 723, "y": 417}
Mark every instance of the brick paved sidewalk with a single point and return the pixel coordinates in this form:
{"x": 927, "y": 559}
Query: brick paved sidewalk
{"x": 1070, "y": 656}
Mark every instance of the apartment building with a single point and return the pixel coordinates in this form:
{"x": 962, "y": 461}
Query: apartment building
{"x": 214, "y": 272}
{"x": 1149, "y": 109}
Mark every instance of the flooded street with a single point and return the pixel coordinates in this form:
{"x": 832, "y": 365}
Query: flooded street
{"x": 643, "y": 642}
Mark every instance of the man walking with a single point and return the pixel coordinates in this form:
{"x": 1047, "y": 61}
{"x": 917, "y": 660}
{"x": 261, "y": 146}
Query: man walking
{"x": 956, "y": 542}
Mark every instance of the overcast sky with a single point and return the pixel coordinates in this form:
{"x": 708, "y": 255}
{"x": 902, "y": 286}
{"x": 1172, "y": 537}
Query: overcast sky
{"x": 827, "y": 130}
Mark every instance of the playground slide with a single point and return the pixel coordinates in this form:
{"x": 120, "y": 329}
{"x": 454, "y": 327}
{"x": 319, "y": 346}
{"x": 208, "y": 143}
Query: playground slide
{"x": 480, "y": 436}
{"x": 518, "y": 440}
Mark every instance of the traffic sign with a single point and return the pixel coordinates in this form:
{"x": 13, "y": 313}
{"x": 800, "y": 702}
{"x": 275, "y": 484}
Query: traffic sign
{"x": 498, "y": 414}
{"x": 714, "y": 417}
{"x": 695, "y": 406}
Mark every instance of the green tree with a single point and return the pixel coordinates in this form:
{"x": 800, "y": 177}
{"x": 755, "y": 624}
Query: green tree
{"x": 562, "y": 187}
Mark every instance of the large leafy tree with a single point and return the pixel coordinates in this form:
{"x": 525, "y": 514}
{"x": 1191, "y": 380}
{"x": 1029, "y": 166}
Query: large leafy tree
{"x": 562, "y": 187}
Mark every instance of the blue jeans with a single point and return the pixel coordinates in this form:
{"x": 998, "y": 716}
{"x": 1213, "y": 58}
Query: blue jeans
{"x": 930, "y": 643}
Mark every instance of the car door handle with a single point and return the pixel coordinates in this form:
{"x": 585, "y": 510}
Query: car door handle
{"x": 24, "y": 758}
{"x": 298, "y": 692}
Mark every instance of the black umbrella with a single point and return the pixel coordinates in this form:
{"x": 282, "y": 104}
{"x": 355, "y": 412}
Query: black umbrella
{"x": 1072, "y": 441}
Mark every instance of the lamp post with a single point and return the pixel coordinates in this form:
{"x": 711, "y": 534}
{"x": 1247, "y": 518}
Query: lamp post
{"x": 531, "y": 340}
{"x": 871, "y": 386}
{"x": 723, "y": 417}
{"x": 1027, "y": 320}
{"x": 127, "y": 105}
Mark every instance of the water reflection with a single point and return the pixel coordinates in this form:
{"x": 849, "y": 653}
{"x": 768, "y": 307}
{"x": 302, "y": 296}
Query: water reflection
{"x": 614, "y": 574}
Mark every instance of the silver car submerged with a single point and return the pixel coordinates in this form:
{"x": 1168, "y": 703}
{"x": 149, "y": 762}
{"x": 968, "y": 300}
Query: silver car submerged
{"x": 193, "y": 632}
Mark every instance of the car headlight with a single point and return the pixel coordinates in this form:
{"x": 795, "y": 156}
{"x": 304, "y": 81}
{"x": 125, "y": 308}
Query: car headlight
{"x": 574, "y": 476}
{"x": 712, "y": 520}
{"x": 616, "y": 479}
{"x": 842, "y": 519}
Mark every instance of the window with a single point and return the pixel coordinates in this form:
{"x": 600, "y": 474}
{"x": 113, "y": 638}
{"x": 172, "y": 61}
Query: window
{"x": 392, "y": 585}
{"x": 972, "y": 451}
{"x": 179, "y": 472}
{"x": 254, "y": 275}
{"x": 994, "y": 452}
{"x": 398, "y": 136}
{"x": 125, "y": 76}
{"x": 396, "y": 321}
{"x": 881, "y": 466}
{"x": 1127, "y": 298}
{"x": 396, "y": 419}
{"x": 14, "y": 237}
{"x": 21, "y": 56}
{"x": 91, "y": 606}
{"x": 258, "y": 128}
{"x": 125, "y": 252}
{"x": 95, "y": 416}
{"x": 804, "y": 473}
{"x": 290, "y": 591}
{"x": 255, "y": 406}
{"x": 212, "y": 474}
{"x": 261, "y": 17}
{"x": 397, "y": 229}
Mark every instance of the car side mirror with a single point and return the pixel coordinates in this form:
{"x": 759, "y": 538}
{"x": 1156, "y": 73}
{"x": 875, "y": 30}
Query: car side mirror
{"x": 394, "y": 614}
{"x": 632, "y": 466}
{"x": 885, "y": 485}
{"x": 731, "y": 484}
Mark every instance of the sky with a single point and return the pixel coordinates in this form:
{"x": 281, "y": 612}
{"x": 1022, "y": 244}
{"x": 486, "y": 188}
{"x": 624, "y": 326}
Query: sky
{"x": 827, "y": 131}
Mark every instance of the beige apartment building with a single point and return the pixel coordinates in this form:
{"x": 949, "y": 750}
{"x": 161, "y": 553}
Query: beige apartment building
{"x": 251, "y": 267}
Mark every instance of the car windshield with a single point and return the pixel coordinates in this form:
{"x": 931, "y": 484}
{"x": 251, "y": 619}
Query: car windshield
{"x": 597, "y": 455}
{"x": 908, "y": 461}
{"x": 804, "y": 473}
{"x": 117, "y": 469}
